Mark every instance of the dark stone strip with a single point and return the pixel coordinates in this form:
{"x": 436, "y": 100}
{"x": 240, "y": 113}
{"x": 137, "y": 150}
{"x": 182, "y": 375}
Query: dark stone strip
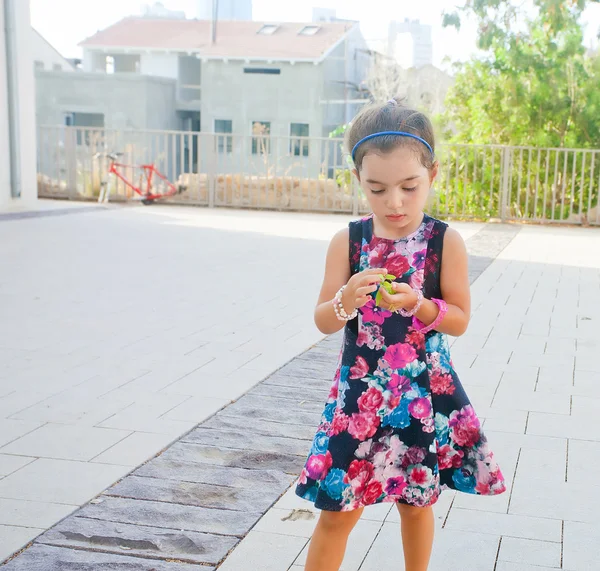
{"x": 51, "y": 212}
{"x": 188, "y": 507}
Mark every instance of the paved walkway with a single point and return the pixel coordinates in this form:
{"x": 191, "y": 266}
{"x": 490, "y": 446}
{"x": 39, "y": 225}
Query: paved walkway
{"x": 83, "y": 404}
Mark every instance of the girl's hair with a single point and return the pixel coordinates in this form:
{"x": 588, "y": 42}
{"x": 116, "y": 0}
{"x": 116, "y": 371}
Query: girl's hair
{"x": 390, "y": 116}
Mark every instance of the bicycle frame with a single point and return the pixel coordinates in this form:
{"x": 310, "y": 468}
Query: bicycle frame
{"x": 150, "y": 171}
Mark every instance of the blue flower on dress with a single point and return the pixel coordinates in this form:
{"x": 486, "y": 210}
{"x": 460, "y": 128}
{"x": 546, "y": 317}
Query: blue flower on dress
{"x": 334, "y": 484}
{"x": 320, "y": 443}
{"x": 399, "y": 417}
{"x": 310, "y": 494}
{"x": 329, "y": 411}
{"x": 344, "y": 373}
{"x": 414, "y": 369}
{"x": 433, "y": 344}
{"x": 464, "y": 481}
{"x": 441, "y": 428}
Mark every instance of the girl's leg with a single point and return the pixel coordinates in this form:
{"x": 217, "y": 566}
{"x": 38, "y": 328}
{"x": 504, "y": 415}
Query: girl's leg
{"x": 328, "y": 543}
{"x": 417, "y": 525}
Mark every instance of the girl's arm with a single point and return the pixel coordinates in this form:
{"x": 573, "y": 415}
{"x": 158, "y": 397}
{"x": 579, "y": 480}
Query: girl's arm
{"x": 455, "y": 288}
{"x": 337, "y": 273}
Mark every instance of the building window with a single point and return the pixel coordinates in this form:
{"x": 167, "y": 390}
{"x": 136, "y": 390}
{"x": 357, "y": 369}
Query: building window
{"x": 268, "y": 29}
{"x": 298, "y": 146}
{"x": 38, "y": 64}
{"x": 263, "y": 70}
{"x": 57, "y": 67}
{"x": 309, "y": 30}
{"x": 223, "y": 129}
{"x": 261, "y": 135}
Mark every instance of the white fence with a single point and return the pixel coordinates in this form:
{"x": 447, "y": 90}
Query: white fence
{"x": 312, "y": 174}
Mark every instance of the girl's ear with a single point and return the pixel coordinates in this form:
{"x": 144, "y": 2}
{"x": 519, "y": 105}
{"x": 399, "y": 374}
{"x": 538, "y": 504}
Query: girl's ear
{"x": 434, "y": 172}
{"x": 356, "y": 174}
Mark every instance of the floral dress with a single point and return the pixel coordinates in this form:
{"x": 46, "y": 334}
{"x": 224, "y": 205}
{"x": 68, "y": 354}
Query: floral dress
{"x": 397, "y": 425}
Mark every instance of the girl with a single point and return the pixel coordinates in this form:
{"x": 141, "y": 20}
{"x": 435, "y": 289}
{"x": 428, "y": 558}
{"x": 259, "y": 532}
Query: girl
{"x": 397, "y": 426}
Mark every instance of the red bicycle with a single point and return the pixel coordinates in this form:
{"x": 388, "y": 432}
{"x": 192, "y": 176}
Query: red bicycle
{"x": 153, "y": 185}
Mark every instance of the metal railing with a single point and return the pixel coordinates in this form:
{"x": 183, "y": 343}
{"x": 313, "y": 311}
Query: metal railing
{"x": 312, "y": 174}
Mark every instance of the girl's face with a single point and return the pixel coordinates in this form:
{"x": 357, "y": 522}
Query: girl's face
{"x": 397, "y": 186}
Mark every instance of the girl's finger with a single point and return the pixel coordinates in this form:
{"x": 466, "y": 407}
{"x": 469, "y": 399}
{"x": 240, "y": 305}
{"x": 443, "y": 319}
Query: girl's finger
{"x": 363, "y": 300}
{"x": 364, "y": 290}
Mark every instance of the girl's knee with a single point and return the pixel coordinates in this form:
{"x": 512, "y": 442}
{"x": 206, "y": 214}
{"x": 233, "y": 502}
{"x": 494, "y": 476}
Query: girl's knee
{"x": 413, "y": 512}
{"x": 339, "y": 521}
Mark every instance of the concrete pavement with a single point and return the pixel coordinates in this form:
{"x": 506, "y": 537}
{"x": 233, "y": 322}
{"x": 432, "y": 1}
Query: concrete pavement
{"x": 149, "y": 320}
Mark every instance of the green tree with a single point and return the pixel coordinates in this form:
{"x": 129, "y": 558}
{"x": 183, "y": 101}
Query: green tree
{"x": 531, "y": 83}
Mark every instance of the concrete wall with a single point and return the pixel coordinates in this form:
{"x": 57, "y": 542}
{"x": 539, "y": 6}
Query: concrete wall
{"x": 23, "y": 117}
{"x": 127, "y": 101}
{"x": 160, "y": 65}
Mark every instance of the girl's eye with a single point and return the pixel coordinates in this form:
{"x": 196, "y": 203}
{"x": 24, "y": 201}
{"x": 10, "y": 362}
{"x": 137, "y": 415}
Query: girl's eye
{"x": 377, "y": 190}
{"x": 411, "y": 189}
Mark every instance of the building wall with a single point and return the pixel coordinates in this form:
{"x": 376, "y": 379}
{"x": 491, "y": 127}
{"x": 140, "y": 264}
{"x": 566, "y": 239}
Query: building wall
{"x": 45, "y": 56}
{"x": 127, "y": 101}
{"x": 160, "y": 65}
{"x": 23, "y": 118}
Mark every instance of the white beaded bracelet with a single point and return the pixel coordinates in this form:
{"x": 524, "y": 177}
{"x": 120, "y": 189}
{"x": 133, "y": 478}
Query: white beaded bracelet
{"x": 415, "y": 309}
{"x": 338, "y": 307}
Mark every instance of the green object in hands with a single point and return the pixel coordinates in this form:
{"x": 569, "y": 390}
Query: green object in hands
{"x": 386, "y": 284}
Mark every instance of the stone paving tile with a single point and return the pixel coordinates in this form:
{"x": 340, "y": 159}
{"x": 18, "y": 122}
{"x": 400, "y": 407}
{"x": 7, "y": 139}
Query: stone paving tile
{"x": 13, "y": 538}
{"x": 248, "y": 441}
{"x": 261, "y": 427}
{"x": 50, "y": 558}
{"x": 193, "y": 494}
{"x": 171, "y": 516}
{"x": 146, "y": 542}
{"x": 530, "y": 552}
{"x": 229, "y": 458}
{"x": 186, "y": 471}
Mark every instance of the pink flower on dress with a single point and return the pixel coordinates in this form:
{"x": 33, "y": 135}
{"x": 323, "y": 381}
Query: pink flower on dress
{"x": 400, "y": 355}
{"x": 419, "y": 259}
{"x": 372, "y": 492}
{"x": 363, "y": 425}
{"x": 397, "y": 264}
{"x": 441, "y": 383}
{"x": 420, "y": 408}
{"x": 372, "y": 313}
{"x": 414, "y": 455}
{"x": 398, "y": 384}
{"x": 448, "y": 457}
{"x": 370, "y": 400}
{"x": 415, "y": 338}
{"x": 333, "y": 391}
{"x": 395, "y": 486}
{"x": 359, "y": 474}
{"x": 318, "y": 465}
{"x": 360, "y": 368}
{"x": 464, "y": 427}
{"x": 420, "y": 476}
{"x": 416, "y": 280}
{"x": 370, "y": 335}
{"x": 303, "y": 476}
{"x": 339, "y": 423}
{"x": 378, "y": 253}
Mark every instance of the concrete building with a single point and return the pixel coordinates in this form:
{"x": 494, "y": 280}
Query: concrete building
{"x": 284, "y": 74}
{"x": 46, "y": 57}
{"x": 291, "y": 80}
{"x": 422, "y": 44}
{"x": 17, "y": 107}
{"x": 226, "y": 10}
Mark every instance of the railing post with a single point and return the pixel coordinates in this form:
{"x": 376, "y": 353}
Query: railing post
{"x": 505, "y": 182}
{"x": 211, "y": 174}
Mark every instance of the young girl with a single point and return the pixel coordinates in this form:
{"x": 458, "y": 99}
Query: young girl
{"x": 397, "y": 426}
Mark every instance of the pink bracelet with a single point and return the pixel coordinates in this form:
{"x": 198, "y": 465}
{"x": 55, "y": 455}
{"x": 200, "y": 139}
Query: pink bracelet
{"x": 443, "y": 309}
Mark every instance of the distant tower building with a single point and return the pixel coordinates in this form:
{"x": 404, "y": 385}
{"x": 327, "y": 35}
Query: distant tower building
{"x": 421, "y": 38}
{"x": 323, "y": 15}
{"x": 158, "y": 10}
{"x": 227, "y": 10}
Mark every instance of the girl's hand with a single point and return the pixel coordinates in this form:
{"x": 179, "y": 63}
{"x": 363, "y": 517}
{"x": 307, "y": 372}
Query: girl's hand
{"x": 360, "y": 287}
{"x": 403, "y": 298}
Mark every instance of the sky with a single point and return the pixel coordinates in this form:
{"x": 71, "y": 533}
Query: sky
{"x": 65, "y": 23}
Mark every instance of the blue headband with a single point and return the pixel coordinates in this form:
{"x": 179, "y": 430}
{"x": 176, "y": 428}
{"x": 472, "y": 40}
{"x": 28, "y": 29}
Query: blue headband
{"x": 383, "y": 133}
